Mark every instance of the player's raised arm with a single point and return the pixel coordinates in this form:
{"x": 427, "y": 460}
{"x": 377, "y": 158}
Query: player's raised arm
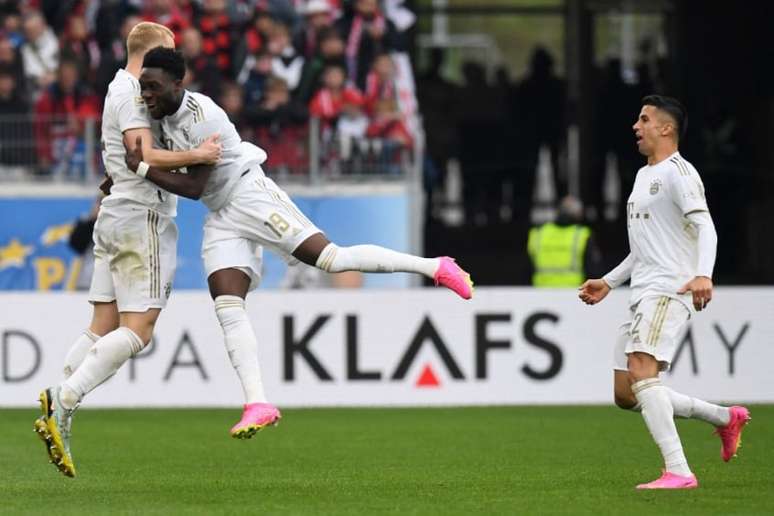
{"x": 190, "y": 185}
{"x": 594, "y": 290}
{"x": 207, "y": 153}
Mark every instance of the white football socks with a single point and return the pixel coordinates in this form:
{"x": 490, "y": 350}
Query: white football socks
{"x": 657, "y": 412}
{"x": 372, "y": 258}
{"x": 78, "y": 351}
{"x": 694, "y": 408}
{"x": 241, "y": 345}
{"x": 102, "y": 361}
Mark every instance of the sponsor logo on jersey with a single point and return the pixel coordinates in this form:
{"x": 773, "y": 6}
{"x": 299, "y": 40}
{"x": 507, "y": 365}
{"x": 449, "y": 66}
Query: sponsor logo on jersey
{"x": 655, "y": 186}
{"x": 138, "y": 100}
{"x": 167, "y": 289}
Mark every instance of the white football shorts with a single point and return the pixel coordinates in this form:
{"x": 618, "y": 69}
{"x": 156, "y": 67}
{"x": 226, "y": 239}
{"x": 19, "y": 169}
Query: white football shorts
{"x": 656, "y": 326}
{"x": 258, "y": 213}
{"x": 135, "y": 255}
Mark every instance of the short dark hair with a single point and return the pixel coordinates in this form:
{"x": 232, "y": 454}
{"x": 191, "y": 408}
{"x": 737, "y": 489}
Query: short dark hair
{"x": 168, "y": 59}
{"x": 673, "y": 107}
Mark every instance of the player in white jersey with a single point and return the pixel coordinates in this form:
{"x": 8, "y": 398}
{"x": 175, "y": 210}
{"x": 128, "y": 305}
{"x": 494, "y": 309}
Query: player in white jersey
{"x": 672, "y": 243}
{"x": 248, "y": 211}
{"x": 135, "y": 240}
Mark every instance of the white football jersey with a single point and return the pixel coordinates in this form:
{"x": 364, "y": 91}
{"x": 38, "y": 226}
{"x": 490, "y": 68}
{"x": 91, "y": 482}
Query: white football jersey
{"x": 662, "y": 240}
{"x": 124, "y": 109}
{"x": 197, "y": 119}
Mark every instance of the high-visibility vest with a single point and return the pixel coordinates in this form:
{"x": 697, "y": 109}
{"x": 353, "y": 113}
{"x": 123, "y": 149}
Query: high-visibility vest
{"x": 557, "y": 254}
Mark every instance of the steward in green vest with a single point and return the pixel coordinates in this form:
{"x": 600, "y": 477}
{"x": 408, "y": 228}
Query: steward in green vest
{"x": 558, "y": 250}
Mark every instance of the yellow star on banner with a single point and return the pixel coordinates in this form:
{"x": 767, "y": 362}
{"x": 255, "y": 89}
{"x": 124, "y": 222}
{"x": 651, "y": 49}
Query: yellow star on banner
{"x": 14, "y": 254}
{"x": 54, "y": 234}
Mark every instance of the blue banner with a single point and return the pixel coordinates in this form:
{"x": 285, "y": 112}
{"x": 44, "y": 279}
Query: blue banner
{"x": 35, "y": 254}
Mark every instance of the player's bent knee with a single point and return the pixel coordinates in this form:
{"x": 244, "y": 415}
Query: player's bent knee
{"x": 642, "y": 366}
{"x": 141, "y": 323}
{"x": 624, "y": 401}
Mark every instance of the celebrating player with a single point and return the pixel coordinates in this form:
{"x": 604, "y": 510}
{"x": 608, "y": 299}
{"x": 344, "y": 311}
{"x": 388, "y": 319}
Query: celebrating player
{"x": 672, "y": 243}
{"x": 135, "y": 241}
{"x": 248, "y": 210}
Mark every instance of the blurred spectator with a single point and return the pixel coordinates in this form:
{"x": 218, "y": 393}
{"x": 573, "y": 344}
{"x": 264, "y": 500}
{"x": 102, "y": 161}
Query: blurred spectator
{"x": 330, "y": 51}
{"x": 367, "y": 33}
{"x": 317, "y": 16}
{"x": 15, "y": 131}
{"x": 167, "y": 13}
{"x": 540, "y": 111}
{"x": 203, "y": 74}
{"x": 40, "y": 52}
{"x": 231, "y": 99}
{"x": 563, "y": 253}
{"x": 437, "y": 101}
{"x": 613, "y": 135}
{"x": 383, "y": 83}
{"x": 280, "y": 125}
{"x": 387, "y": 123}
{"x": 286, "y": 62}
{"x": 254, "y": 78}
{"x": 78, "y": 45}
{"x": 252, "y": 43}
{"x": 113, "y": 56}
{"x": 11, "y": 61}
{"x": 351, "y": 129}
{"x": 327, "y": 103}
{"x": 218, "y": 35}
{"x": 481, "y": 148}
{"x": 59, "y": 126}
{"x": 12, "y": 28}
{"x": 82, "y": 243}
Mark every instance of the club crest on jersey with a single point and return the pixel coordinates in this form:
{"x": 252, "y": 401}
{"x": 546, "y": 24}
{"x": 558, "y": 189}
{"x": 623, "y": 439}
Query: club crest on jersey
{"x": 655, "y": 186}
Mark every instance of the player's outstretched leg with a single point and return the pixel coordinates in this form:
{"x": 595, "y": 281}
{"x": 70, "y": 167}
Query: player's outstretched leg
{"x": 54, "y": 429}
{"x": 318, "y": 251}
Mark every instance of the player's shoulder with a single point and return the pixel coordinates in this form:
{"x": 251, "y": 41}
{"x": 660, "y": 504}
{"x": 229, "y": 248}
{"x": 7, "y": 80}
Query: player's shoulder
{"x": 123, "y": 85}
{"x": 203, "y": 107}
{"x": 680, "y": 167}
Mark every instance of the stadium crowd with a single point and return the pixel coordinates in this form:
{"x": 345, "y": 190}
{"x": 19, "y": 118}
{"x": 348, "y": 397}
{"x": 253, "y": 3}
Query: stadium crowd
{"x": 271, "y": 64}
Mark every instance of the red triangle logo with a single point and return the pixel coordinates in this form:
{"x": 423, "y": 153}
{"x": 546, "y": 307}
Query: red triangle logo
{"x": 428, "y": 378}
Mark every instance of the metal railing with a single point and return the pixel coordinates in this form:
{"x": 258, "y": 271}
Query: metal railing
{"x": 63, "y": 149}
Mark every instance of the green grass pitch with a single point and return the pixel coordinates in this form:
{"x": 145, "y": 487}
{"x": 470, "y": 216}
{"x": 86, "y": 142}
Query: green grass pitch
{"x": 499, "y": 460}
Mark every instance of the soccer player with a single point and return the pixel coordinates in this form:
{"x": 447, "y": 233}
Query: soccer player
{"x": 672, "y": 243}
{"x": 247, "y": 211}
{"x": 135, "y": 239}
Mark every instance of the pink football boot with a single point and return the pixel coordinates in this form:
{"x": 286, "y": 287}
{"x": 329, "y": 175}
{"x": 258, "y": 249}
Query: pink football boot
{"x": 731, "y": 434}
{"x": 671, "y": 481}
{"x": 256, "y": 417}
{"x": 451, "y": 276}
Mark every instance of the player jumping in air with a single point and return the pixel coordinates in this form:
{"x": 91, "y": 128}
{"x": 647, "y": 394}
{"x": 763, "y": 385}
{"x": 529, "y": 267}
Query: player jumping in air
{"x": 248, "y": 211}
{"x": 135, "y": 241}
{"x": 672, "y": 243}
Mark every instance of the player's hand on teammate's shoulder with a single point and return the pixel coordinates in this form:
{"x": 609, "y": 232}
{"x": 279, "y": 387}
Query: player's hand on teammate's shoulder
{"x": 134, "y": 156}
{"x": 210, "y": 150}
{"x": 700, "y": 288}
{"x": 593, "y": 291}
